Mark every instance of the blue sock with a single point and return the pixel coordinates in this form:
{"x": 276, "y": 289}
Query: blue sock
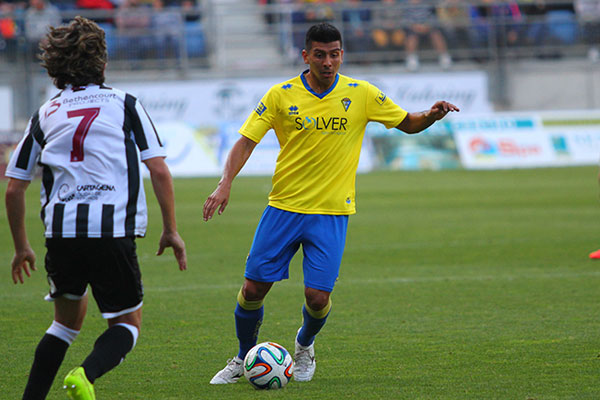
{"x": 247, "y": 324}
{"x": 310, "y": 327}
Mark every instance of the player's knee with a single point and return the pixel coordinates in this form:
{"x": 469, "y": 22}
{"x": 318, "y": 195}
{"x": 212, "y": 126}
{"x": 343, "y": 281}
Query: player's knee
{"x": 62, "y": 332}
{"x": 247, "y": 304}
{"x": 316, "y": 300}
{"x": 255, "y": 291}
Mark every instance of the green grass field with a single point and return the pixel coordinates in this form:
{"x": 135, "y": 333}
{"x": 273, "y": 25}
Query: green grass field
{"x": 454, "y": 285}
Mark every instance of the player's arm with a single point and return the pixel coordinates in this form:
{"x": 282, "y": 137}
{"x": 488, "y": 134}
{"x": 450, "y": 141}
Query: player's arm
{"x": 416, "y": 122}
{"x": 162, "y": 184}
{"x": 24, "y": 258}
{"x": 239, "y": 154}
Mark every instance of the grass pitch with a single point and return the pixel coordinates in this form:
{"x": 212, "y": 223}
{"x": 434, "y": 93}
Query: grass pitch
{"x": 454, "y": 285}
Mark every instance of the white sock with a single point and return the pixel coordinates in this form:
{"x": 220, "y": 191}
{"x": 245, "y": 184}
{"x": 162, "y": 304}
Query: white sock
{"x": 62, "y": 332}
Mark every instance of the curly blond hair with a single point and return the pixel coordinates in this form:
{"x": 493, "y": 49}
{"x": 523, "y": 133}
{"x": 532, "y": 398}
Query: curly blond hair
{"x": 75, "y": 54}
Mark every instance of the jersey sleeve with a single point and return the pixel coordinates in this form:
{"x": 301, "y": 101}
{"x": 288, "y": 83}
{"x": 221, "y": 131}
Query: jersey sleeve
{"x": 145, "y": 134}
{"x": 381, "y": 108}
{"x": 23, "y": 160}
{"x": 260, "y": 120}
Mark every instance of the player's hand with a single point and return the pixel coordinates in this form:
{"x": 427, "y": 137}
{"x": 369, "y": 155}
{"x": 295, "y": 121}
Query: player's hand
{"x": 218, "y": 199}
{"x": 172, "y": 239}
{"x": 23, "y": 261}
{"x": 440, "y": 109}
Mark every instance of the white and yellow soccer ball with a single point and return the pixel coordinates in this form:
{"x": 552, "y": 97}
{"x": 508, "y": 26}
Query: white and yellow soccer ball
{"x": 268, "y": 365}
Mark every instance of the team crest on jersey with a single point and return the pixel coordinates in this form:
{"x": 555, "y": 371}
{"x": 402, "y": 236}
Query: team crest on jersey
{"x": 260, "y": 108}
{"x": 346, "y": 102}
{"x": 54, "y": 104}
{"x": 381, "y": 98}
{"x": 293, "y": 110}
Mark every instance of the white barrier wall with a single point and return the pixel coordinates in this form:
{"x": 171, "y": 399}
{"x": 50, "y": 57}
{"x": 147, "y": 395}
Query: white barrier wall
{"x": 199, "y": 120}
{"x": 6, "y": 105}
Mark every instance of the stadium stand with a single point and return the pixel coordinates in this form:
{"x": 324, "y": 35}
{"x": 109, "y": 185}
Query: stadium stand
{"x": 187, "y": 38}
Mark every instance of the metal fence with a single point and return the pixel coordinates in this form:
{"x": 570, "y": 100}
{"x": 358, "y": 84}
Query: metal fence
{"x": 228, "y": 34}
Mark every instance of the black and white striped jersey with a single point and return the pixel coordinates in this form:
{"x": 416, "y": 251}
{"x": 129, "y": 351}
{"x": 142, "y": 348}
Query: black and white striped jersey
{"x": 89, "y": 142}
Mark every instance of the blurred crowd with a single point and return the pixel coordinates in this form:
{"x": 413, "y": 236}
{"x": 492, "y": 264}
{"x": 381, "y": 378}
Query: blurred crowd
{"x": 135, "y": 29}
{"x": 402, "y": 28}
{"x": 395, "y": 30}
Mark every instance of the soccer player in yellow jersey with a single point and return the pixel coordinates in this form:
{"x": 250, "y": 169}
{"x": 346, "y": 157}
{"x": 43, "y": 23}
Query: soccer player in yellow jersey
{"x": 319, "y": 118}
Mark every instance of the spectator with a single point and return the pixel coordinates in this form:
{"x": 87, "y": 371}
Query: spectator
{"x": 39, "y": 16}
{"x": 588, "y": 12}
{"x": 194, "y": 31}
{"x": 167, "y": 24}
{"x": 356, "y": 19}
{"x": 422, "y": 23}
{"x": 453, "y": 16}
{"x": 8, "y": 31}
{"x": 310, "y": 12}
{"x": 105, "y": 5}
{"x": 561, "y": 21}
{"x": 537, "y": 28}
{"x": 190, "y": 9}
{"x": 387, "y": 34}
{"x": 498, "y": 22}
{"x": 133, "y": 26}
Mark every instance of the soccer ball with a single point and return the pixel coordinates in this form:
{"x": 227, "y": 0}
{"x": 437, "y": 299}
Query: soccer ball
{"x": 268, "y": 365}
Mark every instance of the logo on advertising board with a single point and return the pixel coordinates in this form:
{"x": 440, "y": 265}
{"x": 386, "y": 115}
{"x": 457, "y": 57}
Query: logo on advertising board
{"x": 502, "y": 147}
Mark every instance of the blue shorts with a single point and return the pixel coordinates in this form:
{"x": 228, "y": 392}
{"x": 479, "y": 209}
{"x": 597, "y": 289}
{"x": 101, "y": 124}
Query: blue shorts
{"x": 278, "y": 237}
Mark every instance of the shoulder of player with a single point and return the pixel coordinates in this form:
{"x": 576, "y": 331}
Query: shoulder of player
{"x": 349, "y": 82}
{"x": 288, "y": 86}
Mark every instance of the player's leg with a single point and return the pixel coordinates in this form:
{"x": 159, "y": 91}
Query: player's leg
{"x": 248, "y": 314}
{"x": 113, "y": 345}
{"x": 117, "y": 287}
{"x": 68, "y": 292}
{"x": 314, "y": 314}
{"x": 109, "y": 351}
{"x": 323, "y": 243}
{"x": 275, "y": 243}
{"x": 51, "y": 350}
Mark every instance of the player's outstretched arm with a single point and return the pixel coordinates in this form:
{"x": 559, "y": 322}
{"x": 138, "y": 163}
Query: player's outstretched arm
{"x": 239, "y": 154}
{"x": 24, "y": 258}
{"x": 418, "y": 121}
{"x": 163, "y": 189}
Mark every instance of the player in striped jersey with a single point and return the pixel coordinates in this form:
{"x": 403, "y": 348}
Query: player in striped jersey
{"x": 89, "y": 140}
{"x": 319, "y": 118}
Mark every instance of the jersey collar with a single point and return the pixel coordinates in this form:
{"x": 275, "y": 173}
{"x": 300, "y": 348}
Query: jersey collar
{"x": 319, "y": 95}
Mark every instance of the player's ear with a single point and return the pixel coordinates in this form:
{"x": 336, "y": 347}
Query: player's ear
{"x": 305, "y": 56}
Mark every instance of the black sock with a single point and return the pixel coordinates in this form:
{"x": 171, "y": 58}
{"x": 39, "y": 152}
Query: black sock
{"x": 110, "y": 348}
{"x": 49, "y": 354}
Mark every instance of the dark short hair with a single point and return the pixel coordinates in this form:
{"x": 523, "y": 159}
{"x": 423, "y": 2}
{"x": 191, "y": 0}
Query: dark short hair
{"x": 75, "y": 54}
{"x": 322, "y": 32}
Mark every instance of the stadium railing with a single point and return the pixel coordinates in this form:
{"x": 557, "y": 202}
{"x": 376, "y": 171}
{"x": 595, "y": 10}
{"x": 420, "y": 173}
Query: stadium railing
{"x": 375, "y": 32}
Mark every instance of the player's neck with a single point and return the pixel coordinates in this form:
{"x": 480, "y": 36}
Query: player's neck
{"x": 318, "y": 86}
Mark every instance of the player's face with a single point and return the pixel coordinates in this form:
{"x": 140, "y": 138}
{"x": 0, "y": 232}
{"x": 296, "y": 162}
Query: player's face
{"x": 324, "y": 61}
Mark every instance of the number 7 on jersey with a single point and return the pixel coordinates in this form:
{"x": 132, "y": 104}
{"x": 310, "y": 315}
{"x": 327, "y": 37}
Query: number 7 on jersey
{"x": 89, "y": 115}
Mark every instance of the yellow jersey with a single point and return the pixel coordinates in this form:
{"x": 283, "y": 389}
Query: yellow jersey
{"x": 320, "y": 136}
